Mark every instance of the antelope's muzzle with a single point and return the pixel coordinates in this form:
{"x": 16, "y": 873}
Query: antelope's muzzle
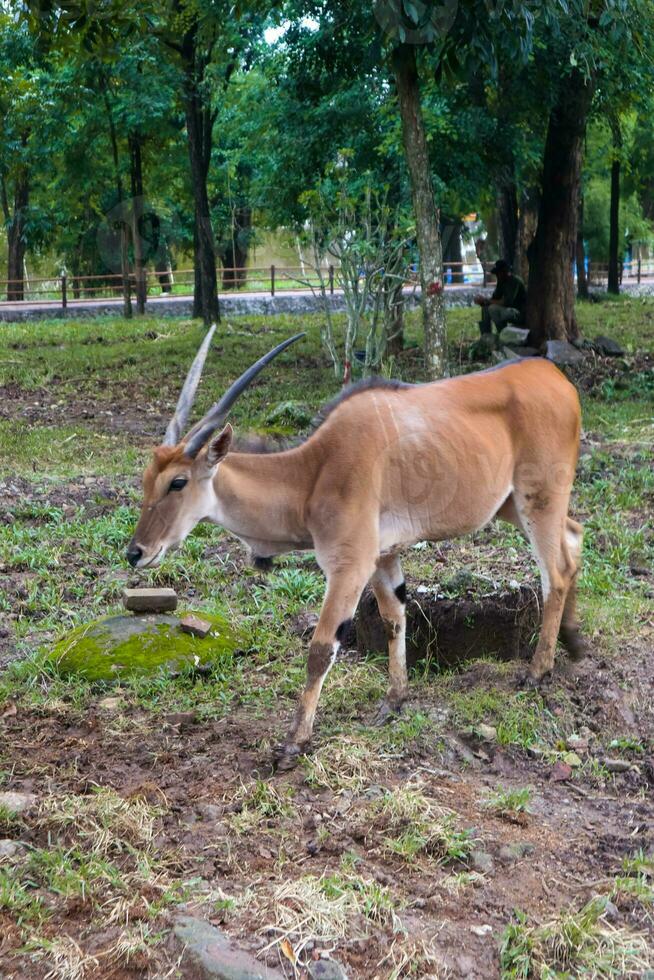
{"x": 134, "y": 555}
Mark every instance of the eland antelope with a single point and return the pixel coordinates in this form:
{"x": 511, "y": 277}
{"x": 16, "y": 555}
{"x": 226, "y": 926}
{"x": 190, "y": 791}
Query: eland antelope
{"x": 390, "y": 464}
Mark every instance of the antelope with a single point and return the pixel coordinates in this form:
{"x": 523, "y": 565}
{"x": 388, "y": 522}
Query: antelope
{"x": 390, "y": 464}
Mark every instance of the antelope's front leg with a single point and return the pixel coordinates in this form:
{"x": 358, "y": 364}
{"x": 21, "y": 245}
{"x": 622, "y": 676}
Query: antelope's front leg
{"x": 344, "y": 590}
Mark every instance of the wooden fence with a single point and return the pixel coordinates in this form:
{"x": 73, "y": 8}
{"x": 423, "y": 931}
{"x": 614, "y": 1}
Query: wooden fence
{"x": 59, "y": 291}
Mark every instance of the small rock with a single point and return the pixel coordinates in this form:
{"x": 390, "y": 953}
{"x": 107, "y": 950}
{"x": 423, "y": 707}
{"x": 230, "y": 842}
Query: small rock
{"x": 326, "y": 969}
{"x": 10, "y": 849}
{"x": 509, "y": 853}
{"x": 572, "y": 759}
{"x": 510, "y": 354}
{"x": 577, "y": 743}
{"x": 110, "y": 704}
{"x": 560, "y": 772}
{"x": 514, "y": 335}
{"x": 482, "y": 861}
{"x": 182, "y": 718}
{"x": 486, "y": 732}
{"x": 561, "y": 352}
{"x": 616, "y": 765}
{"x": 150, "y": 600}
{"x": 210, "y": 954}
{"x": 611, "y": 911}
{"x": 607, "y": 346}
{"x": 195, "y": 626}
{"x": 209, "y": 811}
{"x": 17, "y": 802}
{"x": 481, "y": 930}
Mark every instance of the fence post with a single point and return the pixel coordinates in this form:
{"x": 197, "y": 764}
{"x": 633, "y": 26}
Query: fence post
{"x": 272, "y": 280}
{"x": 638, "y": 272}
{"x": 64, "y": 290}
{"x": 331, "y": 279}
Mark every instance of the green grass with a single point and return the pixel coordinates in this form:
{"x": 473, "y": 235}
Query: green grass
{"x": 509, "y": 802}
{"x": 575, "y": 944}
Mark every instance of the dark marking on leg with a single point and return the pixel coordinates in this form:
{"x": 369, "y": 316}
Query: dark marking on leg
{"x": 391, "y": 628}
{"x": 343, "y": 630}
{"x": 400, "y": 592}
{"x": 320, "y": 657}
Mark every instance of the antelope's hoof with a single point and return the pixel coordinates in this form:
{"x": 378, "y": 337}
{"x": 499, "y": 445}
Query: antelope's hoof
{"x": 532, "y": 681}
{"x": 576, "y": 645}
{"x": 286, "y": 756}
{"x": 386, "y": 712}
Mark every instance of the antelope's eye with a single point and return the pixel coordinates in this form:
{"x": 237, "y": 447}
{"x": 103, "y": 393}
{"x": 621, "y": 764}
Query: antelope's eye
{"x": 178, "y": 483}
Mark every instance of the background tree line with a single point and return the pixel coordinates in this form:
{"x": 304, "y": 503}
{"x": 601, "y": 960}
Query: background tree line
{"x": 135, "y": 134}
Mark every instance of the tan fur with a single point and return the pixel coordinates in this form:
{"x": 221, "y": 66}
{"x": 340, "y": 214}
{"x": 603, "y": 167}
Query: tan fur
{"x": 389, "y": 467}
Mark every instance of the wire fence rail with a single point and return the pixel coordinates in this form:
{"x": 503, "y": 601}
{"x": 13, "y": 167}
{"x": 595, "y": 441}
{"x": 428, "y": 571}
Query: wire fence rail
{"x": 65, "y": 289}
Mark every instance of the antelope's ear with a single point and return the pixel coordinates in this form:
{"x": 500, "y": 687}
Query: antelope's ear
{"x": 219, "y": 446}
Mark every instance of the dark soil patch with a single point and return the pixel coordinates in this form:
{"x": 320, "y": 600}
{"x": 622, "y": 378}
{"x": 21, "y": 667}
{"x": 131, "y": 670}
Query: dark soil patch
{"x": 122, "y": 411}
{"x": 449, "y": 631}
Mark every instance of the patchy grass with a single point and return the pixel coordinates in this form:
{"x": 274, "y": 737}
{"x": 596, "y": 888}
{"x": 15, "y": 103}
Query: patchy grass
{"x": 509, "y": 802}
{"x": 579, "y": 943}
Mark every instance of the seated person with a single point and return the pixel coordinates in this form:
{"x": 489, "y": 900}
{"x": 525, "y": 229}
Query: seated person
{"x": 507, "y": 304}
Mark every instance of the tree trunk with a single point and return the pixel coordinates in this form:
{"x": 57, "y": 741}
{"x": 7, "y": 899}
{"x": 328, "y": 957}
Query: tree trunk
{"x": 425, "y": 211}
{"x": 136, "y": 177}
{"x": 124, "y": 228}
{"x": 551, "y": 295}
{"x": 199, "y": 127}
{"x": 236, "y": 253}
{"x": 16, "y": 244}
{"x": 527, "y": 224}
{"x": 614, "y": 218}
{"x": 507, "y": 215}
{"x": 582, "y": 278}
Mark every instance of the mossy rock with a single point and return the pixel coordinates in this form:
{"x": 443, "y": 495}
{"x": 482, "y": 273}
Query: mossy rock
{"x": 117, "y": 647}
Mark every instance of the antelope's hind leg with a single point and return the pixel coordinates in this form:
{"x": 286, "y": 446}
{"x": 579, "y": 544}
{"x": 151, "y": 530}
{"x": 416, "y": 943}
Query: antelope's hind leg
{"x": 545, "y": 522}
{"x": 344, "y": 587}
{"x": 390, "y": 593}
{"x": 570, "y": 634}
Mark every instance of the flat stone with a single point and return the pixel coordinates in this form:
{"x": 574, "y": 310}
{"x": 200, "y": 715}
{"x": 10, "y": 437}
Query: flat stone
{"x": 150, "y": 600}
{"x": 561, "y": 352}
{"x": 607, "y": 346}
{"x": 326, "y": 970}
{"x": 195, "y": 626}
{"x": 211, "y": 955}
{"x": 514, "y": 335}
{"x": 17, "y": 802}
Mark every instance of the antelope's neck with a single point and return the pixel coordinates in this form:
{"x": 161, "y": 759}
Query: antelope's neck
{"x": 262, "y": 497}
